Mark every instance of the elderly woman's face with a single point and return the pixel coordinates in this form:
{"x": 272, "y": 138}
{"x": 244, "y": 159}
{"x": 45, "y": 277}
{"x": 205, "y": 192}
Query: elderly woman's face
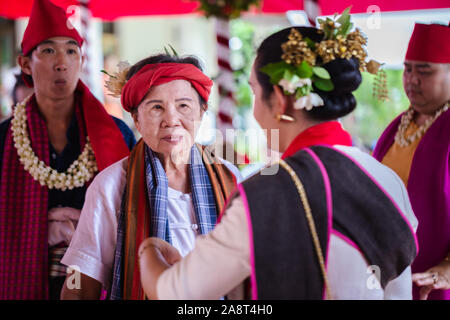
{"x": 169, "y": 116}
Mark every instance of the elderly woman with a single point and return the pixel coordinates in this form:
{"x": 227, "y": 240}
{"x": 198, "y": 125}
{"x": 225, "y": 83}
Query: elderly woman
{"x": 332, "y": 222}
{"x": 168, "y": 187}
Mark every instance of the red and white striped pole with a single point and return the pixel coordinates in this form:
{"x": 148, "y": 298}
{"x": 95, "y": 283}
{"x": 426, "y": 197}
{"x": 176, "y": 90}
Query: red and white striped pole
{"x": 225, "y": 79}
{"x": 312, "y": 9}
{"x": 85, "y": 17}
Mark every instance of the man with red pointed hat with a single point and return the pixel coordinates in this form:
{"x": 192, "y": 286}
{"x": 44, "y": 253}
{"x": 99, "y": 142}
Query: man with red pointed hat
{"x": 416, "y": 145}
{"x": 52, "y": 147}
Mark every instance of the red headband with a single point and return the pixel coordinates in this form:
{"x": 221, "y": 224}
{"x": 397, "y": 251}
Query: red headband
{"x": 429, "y": 43}
{"x": 159, "y": 73}
{"x": 47, "y": 21}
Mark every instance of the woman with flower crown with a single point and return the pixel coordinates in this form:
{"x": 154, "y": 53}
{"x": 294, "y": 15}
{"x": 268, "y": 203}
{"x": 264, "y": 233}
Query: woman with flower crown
{"x": 328, "y": 221}
{"x": 169, "y": 187}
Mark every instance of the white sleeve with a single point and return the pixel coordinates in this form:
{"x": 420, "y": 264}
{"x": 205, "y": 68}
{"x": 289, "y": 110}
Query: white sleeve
{"x": 93, "y": 244}
{"x": 218, "y": 263}
{"x": 399, "y": 288}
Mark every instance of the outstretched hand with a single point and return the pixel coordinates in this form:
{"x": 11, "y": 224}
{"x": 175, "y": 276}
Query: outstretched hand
{"x": 170, "y": 254}
{"x": 435, "y": 278}
{"x": 155, "y": 256}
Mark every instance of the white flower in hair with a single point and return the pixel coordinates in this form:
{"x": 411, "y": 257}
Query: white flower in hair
{"x": 296, "y": 82}
{"x": 308, "y": 102}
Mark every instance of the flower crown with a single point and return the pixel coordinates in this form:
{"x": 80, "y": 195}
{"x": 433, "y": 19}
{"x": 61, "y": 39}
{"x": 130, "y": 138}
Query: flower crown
{"x": 300, "y": 69}
{"x": 118, "y": 80}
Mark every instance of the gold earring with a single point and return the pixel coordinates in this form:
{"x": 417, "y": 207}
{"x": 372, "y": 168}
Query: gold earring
{"x": 284, "y": 117}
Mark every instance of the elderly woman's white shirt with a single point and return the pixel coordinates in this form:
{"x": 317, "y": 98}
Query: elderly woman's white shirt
{"x": 92, "y": 248}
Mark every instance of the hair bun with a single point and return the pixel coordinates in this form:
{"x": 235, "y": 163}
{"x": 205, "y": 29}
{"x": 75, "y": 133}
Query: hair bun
{"x": 336, "y": 106}
{"x": 345, "y": 75}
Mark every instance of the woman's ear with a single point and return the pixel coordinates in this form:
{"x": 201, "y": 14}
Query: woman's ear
{"x": 280, "y": 104}
{"x": 203, "y": 109}
{"x": 134, "y": 115}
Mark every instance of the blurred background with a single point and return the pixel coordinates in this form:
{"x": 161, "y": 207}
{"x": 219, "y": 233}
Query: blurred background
{"x": 224, "y": 34}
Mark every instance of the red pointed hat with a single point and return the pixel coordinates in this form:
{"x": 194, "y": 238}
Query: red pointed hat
{"x": 46, "y": 21}
{"x": 429, "y": 43}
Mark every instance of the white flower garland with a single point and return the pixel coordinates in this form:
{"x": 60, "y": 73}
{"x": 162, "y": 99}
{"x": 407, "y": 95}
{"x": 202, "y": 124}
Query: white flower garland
{"x": 406, "y": 120}
{"x": 79, "y": 172}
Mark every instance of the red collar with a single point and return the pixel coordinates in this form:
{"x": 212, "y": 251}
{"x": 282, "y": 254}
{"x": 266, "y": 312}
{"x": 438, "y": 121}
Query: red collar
{"x": 327, "y": 133}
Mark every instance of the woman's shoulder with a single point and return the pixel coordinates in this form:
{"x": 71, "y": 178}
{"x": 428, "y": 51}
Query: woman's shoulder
{"x": 364, "y": 160}
{"x": 379, "y": 172}
{"x": 111, "y": 177}
{"x": 384, "y": 177}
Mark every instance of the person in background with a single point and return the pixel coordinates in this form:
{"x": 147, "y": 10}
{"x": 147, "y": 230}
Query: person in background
{"x": 416, "y": 145}
{"x": 50, "y": 149}
{"x": 20, "y": 90}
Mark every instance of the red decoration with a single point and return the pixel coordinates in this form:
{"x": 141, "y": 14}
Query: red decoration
{"x": 155, "y": 74}
{"x": 113, "y": 9}
{"x": 47, "y": 21}
{"x": 429, "y": 43}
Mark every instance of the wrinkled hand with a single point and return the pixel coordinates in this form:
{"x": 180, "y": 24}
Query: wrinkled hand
{"x": 437, "y": 277}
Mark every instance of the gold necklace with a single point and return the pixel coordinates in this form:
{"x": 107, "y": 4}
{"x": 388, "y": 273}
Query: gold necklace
{"x": 79, "y": 172}
{"x": 405, "y": 121}
{"x": 312, "y": 227}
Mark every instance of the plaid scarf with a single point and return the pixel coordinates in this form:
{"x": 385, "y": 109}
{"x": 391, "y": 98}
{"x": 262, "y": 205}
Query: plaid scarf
{"x": 24, "y": 215}
{"x": 144, "y": 209}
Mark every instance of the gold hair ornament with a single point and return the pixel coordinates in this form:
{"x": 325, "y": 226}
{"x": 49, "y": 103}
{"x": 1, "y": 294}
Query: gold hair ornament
{"x": 302, "y": 61}
{"x": 117, "y": 80}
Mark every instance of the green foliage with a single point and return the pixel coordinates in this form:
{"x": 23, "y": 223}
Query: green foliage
{"x": 321, "y": 72}
{"x": 174, "y": 53}
{"x": 244, "y": 56}
{"x": 334, "y": 27}
{"x": 323, "y": 84}
{"x": 304, "y": 70}
{"x": 311, "y": 44}
{"x": 282, "y": 70}
{"x": 371, "y": 115}
{"x": 345, "y": 24}
{"x": 279, "y": 70}
{"x": 106, "y": 72}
